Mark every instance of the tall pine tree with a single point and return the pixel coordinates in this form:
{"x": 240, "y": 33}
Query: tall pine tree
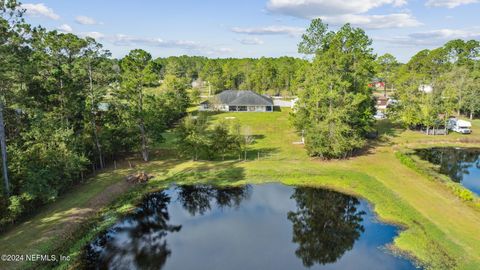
{"x": 336, "y": 107}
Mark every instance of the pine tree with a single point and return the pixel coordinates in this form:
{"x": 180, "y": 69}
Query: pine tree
{"x": 335, "y": 109}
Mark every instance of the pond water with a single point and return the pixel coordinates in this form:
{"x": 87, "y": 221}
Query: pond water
{"x": 461, "y": 164}
{"x": 249, "y": 227}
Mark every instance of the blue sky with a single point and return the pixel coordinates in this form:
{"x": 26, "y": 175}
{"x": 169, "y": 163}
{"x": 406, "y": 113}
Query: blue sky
{"x": 255, "y": 28}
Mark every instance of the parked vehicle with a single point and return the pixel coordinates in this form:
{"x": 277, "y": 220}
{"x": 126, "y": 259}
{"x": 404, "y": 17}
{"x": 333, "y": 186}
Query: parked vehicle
{"x": 460, "y": 126}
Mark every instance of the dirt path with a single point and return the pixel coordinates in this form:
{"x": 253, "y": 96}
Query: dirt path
{"x": 60, "y": 219}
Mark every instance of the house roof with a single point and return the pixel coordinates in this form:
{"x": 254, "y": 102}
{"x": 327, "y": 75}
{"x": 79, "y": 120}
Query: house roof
{"x": 243, "y": 98}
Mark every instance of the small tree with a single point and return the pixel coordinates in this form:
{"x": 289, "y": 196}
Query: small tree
{"x": 137, "y": 71}
{"x": 192, "y": 135}
{"x": 220, "y": 139}
{"x": 472, "y": 98}
{"x": 386, "y": 66}
{"x": 428, "y": 112}
{"x": 195, "y": 96}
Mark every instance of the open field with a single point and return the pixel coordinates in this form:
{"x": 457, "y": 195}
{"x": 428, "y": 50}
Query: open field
{"x": 440, "y": 230}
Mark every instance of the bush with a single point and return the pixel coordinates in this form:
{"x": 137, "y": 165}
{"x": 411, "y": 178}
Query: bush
{"x": 406, "y": 160}
{"x": 462, "y": 192}
{"x": 196, "y": 140}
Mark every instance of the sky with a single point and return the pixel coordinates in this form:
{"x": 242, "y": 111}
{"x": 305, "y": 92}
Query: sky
{"x": 255, "y": 28}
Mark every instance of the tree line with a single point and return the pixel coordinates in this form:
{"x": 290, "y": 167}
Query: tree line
{"x": 67, "y": 108}
{"x": 273, "y": 76}
{"x": 452, "y": 75}
{"x": 336, "y": 102}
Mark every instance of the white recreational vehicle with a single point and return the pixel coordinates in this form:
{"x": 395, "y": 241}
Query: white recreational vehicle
{"x": 460, "y": 126}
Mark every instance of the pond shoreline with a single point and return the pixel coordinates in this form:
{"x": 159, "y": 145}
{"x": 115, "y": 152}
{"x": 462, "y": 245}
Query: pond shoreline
{"x": 204, "y": 195}
{"x": 399, "y": 195}
{"x": 409, "y": 158}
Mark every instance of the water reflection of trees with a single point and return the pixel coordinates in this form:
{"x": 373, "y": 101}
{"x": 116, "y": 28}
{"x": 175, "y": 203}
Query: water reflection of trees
{"x": 138, "y": 242}
{"x": 325, "y": 224}
{"x": 199, "y": 198}
{"x": 453, "y": 162}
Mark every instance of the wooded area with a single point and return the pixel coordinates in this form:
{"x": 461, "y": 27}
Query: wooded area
{"x": 69, "y": 109}
{"x": 453, "y": 73}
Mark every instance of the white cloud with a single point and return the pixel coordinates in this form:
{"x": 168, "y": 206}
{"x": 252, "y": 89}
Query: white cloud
{"x": 339, "y": 12}
{"x": 449, "y": 3}
{"x": 222, "y": 50}
{"x": 39, "y": 10}
{"x": 94, "y": 35}
{"x": 65, "y": 28}
{"x": 190, "y": 46}
{"x": 125, "y": 40}
{"x": 85, "y": 20}
{"x": 270, "y": 30}
{"x": 447, "y": 34}
{"x": 432, "y": 38}
{"x": 251, "y": 41}
{"x": 315, "y": 8}
{"x": 396, "y": 20}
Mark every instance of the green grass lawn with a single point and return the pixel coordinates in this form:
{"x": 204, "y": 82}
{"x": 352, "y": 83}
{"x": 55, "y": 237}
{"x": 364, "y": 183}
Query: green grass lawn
{"x": 440, "y": 230}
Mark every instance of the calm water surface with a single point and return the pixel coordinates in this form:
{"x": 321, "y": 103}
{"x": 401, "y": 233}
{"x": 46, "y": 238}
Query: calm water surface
{"x": 461, "y": 164}
{"x": 250, "y": 227}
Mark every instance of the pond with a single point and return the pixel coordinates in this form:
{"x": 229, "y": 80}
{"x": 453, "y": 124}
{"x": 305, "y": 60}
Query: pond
{"x": 461, "y": 164}
{"x": 249, "y": 227}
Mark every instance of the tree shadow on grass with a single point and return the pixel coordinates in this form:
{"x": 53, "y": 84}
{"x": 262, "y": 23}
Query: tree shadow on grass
{"x": 257, "y": 137}
{"x": 385, "y": 130}
{"x": 225, "y": 173}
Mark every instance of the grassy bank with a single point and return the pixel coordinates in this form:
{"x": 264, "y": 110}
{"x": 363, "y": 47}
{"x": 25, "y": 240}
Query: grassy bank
{"x": 440, "y": 230}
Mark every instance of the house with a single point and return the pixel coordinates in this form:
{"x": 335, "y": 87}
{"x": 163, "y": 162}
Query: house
{"x": 426, "y": 88}
{"x": 377, "y": 84}
{"x": 282, "y": 102}
{"x": 238, "y": 101}
{"x": 382, "y": 103}
{"x": 198, "y": 83}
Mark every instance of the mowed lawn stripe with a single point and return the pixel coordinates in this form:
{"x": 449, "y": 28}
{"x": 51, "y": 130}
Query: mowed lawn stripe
{"x": 459, "y": 221}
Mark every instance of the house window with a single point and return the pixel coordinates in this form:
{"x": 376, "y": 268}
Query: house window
{"x": 268, "y": 108}
{"x": 232, "y": 108}
{"x": 242, "y": 108}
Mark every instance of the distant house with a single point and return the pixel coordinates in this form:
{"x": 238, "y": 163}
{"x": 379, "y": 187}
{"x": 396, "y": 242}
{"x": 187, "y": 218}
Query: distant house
{"x": 238, "y": 101}
{"x": 382, "y": 103}
{"x": 198, "y": 83}
{"x": 426, "y": 88}
{"x": 103, "y": 106}
{"x": 284, "y": 103}
{"x": 377, "y": 85}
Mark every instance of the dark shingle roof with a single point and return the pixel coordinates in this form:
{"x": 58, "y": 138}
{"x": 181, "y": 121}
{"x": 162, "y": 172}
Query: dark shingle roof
{"x": 243, "y": 98}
